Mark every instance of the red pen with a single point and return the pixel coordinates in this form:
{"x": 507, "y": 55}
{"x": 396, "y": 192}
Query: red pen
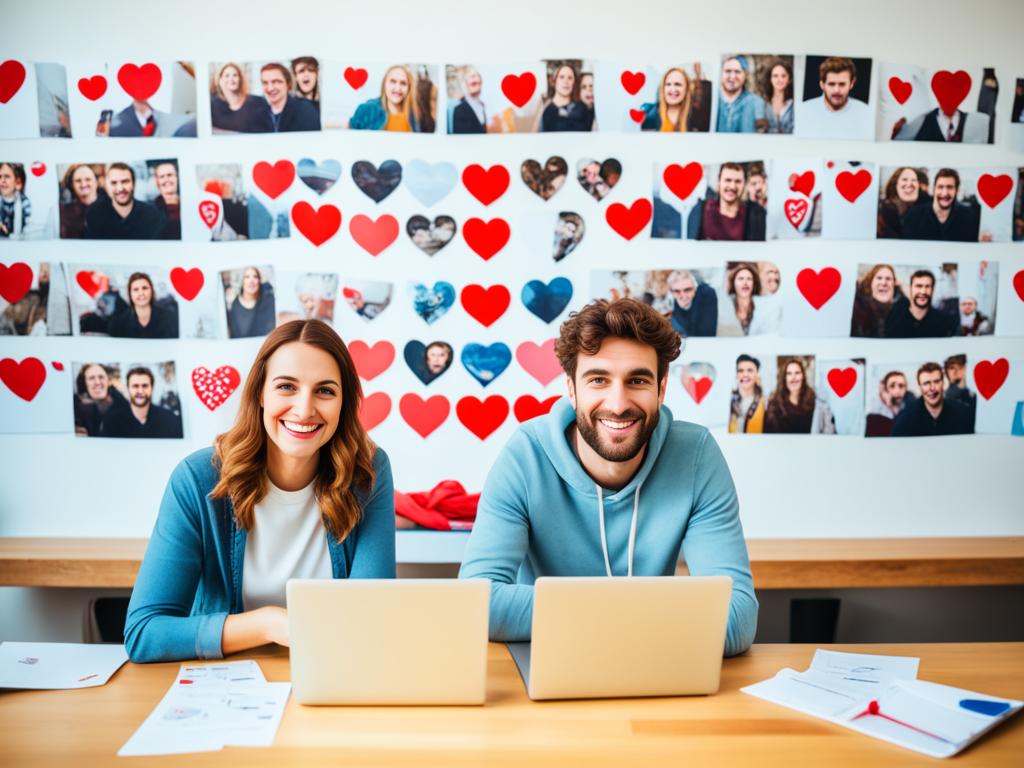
{"x": 874, "y": 709}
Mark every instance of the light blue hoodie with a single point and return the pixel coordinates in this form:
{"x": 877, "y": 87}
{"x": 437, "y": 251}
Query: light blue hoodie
{"x": 539, "y": 516}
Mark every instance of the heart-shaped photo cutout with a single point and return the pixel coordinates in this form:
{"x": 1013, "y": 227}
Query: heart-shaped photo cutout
{"x": 12, "y": 77}
{"x": 140, "y": 82}
{"x": 213, "y": 388}
{"x": 371, "y": 362}
{"x": 547, "y": 300}
{"x": 428, "y": 361}
{"x": 486, "y": 238}
{"x": 598, "y": 177}
{"x": 319, "y": 177}
{"x": 486, "y": 184}
{"x": 374, "y": 409}
{"x": 430, "y": 236}
{"x": 187, "y": 282}
{"x": 569, "y": 231}
{"x": 424, "y": 416}
{"x": 852, "y": 185}
{"x": 274, "y": 179}
{"x": 15, "y": 281}
{"x": 430, "y": 182}
{"x": 482, "y": 417}
{"x": 697, "y": 379}
{"x": 367, "y": 298}
{"x": 432, "y": 303}
{"x": 24, "y": 378}
{"x": 377, "y": 183}
{"x": 629, "y": 222}
{"x": 374, "y": 236}
{"x": 529, "y": 407}
{"x": 818, "y": 287}
{"x": 545, "y": 180}
{"x": 519, "y": 89}
{"x": 485, "y": 364}
{"x": 539, "y": 360}
{"x": 842, "y": 380}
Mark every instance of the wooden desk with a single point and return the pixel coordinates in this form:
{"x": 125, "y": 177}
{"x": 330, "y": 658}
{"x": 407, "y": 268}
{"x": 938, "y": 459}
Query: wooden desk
{"x": 87, "y": 727}
{"x": 776, "y": 563}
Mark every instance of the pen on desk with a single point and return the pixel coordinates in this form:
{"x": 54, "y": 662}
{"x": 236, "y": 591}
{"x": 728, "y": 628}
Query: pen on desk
{"x": 874, "y": 709}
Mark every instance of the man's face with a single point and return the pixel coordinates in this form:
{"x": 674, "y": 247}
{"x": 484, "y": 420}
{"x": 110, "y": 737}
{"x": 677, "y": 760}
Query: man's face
{"x": 968, "y": 306}
{"x": 167, "y": 179}
{"x": 683, "y": 291}
{"x": 275, "y": 87}
{"x": 730, "y": 185}
{"x": 120, "y": 186}
{"x": 896, "y": 390}
{"x": 746, "y": 376}
{"x": 836, "y": 87}
{"x": 945, "y": 192}
{"x": 930, "y": 383}
{"x": 140, "y": 390}
{"x": 733, "y": 77}
{"x": 8, "y": 182}
{"x": 955, "y": 373}
{"x": 616, "y": 394}
{"x": 921, "y": 292}
{"x": 473, "y": 83}
{"x": 757, "y": 187}
{"x": 96, "y": 382}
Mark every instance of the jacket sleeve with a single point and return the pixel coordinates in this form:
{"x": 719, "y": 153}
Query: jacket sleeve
{"x": 158, "y": 626}
{"x": 374, "y": 555}
{"x": 498, "y": 545}
{"x": 714, "y": 543}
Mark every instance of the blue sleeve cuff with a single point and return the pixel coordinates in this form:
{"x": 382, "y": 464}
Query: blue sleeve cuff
{"x": 209, "y": 636}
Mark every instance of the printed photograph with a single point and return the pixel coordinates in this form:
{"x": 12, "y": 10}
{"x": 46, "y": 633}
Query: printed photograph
{"x": 126, "y": 400}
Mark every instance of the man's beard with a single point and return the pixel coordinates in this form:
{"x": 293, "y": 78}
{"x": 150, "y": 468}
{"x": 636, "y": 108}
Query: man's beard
{"x": 624, "y": 451}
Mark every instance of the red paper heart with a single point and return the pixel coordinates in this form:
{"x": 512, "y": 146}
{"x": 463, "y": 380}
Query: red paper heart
{"x": 1018, "y": 284}
{"x": 318, "y": 225}
{"x": 486, "y": 238}
{"x": 852, "y": 185}
{"x": 842, "y": 380}
{"x": 830, "y": 164}
{"x": 698, "y": 387}
{"x": 25, "y": 378}
{"x": 12, "y": 75}
{"x": 356, "y": 78}
{"x": 374, "y": 409}
{"x": 632, "y": 82}
{"x": 273, "y": 179}
{"x": 683, "y": 179}
{"x": 818, "y": 287}
{"x": 213, "y": 388}
{"x": 486, "y": 185}
{"x": 802, "y": 183}
{"x": 486, "y": 304}
{"x": 528, "y": 407}
{"x": 950, "y": 89}
{"x": 424, "y": 416}
{"x": 482, "y": 417}
{"x": 628, "y": 222}
{"x": 139, "y": 82}
{"x": 989, "y": 376}
{"x": 88, "y": 282}
{"x": 209, "y": 212}
{"x": 187, "y": 282}
{"x": 519, "y": 88}
{"x": 57, "y": 366}
{"x": 994, "y": 189}
{"x": 372, "y": 361}
{"x": 15, "y": 281}
{"x": 374, "y": 236}
{"x": 539, "y": 360}
{"x": 637, "y": 115}
{"x": 93, "y": 87}
{"x": 796, "y": 210}
{"x": 900, "y": 89}
{"x": 38, "y": 169}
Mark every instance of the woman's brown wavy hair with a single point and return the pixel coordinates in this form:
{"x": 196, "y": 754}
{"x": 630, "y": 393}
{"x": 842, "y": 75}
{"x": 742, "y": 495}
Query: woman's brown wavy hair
{"x": 346, "y": 461}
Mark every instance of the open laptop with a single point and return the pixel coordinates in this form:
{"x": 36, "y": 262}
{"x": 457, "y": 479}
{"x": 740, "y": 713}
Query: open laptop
{"x": 388, "y": 641}
{"x": 600, "y": 637}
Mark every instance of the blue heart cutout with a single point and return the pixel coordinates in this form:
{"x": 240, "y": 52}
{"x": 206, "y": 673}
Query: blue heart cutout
{"x": 485, "y": 364}
{"x": 430, "y": 183}
{"x": 547, "y": 301}
{"x": 319, "y": 177}
{"x": 432, "y": 303}
{"x": 420, "y": 363}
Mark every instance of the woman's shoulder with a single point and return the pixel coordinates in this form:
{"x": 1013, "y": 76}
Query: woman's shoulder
{"x": 198, "y": 468}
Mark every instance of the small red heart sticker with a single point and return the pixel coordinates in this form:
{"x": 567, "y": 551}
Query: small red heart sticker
{"x": 482, "y": 417}
{"x": 374, "y": 409}
{"x": 486, "y": 185}
{"x": 187, "y": 282}
{"x": 38, "y": 169}
{"x": 213, "y": 388}
{"x": 632, "y": 82}
{"x": 273, "y": 179}
{"x": 796, "y": 211}
{"x": 15, "y": 281}
{"x": 994, "y": 189}
{"x": 12, "y": 76}
{"x": 802, "y": 182}
{"x": 637, "y": 115}
{"x": 140, "y": 82}
{"x": 24, "y": 379}
{"x": 519, "y": 88}
{"x": 990, "y": 375}
{"x": 683, "y": 179}
{"x": 486, "y": 238}
{"x": 842, "y": 380}
{"x": 209, "y": 211}
{"x": 485, "y": 305}
{"x": 374, "y": 236}
{"x": 852, "y": 185}
{"x": 318, "y": 225}
{"x": 424, "y": 416}
{"x": 818, "y": 287}
{"x": 528, "y": 407}
{"x": 355, "y": 77}
{"x": 900, "y": 89}
{"x": 698, "y": 387}
{"x": 371, "y": 362}
{"x": 628, "y": 222}
{"x": 93, "y": 87}
{"x": 950, "y": 89}
{"x": 57, "y": 366}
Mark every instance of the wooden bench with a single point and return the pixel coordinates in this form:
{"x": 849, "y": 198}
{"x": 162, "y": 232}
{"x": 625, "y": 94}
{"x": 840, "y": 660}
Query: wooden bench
{"x": 776, "y": 563}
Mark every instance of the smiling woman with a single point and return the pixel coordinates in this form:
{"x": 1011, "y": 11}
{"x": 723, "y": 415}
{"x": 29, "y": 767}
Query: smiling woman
{"x": 295, "y": 489}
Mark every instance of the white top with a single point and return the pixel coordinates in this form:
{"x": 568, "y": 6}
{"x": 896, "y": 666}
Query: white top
{"x": 814, "y": 119}
{"x": 287, "y": 541}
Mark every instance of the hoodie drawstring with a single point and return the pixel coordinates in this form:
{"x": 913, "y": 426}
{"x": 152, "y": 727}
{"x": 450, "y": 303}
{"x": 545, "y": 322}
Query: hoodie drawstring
{"x": 632, "y": 529}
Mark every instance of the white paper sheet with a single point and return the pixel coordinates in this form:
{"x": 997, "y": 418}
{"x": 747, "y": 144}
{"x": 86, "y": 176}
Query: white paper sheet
{"x": 55, "y": 666}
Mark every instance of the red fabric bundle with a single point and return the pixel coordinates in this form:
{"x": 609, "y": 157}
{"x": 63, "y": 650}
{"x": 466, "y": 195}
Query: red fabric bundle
{"x": 445, "y": 508}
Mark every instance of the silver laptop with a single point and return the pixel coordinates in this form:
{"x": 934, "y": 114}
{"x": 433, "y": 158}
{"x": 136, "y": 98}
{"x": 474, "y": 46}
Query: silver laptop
{"x": 387, "y": 641}
{"x": 599, "y": 637}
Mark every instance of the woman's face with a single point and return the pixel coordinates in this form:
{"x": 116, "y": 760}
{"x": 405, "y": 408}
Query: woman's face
{"x": 780, "y": 79}
{"x": 230, "y": 80}
{"x": 84, "y": 185}
{"x": 251, "y": 281}
{"x": 396, "y": 86}
{"x": 140, "y": 293}
{"x": 675, "y": 88}
{"x": 565, "y": 79}
{"x": 794, "y": 377}
{"x": 883, "y": 285}
{"x": 743, "y": 283}
{"x": 305, "y": 78}
{"x": 437, "y": 359}
{"x": 907, "y": 186}
{"x": 97, "y": 383}
{"x": 587, "y": 90}
{"x": 307, "y": 301}
{"x": 301, "y": 400}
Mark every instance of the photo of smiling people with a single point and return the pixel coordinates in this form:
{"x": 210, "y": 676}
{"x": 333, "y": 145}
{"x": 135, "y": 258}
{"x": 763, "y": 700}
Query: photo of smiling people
{"x": 117, "y": 399}
{"x": 265, "y": 97}
{"x": 794, "y": 407}
{"x": 747, "y": 403}
{"x": 713, "y": 202}
{"x": 922, "y": 399}
{"x": 672, "y": 98}
{"x": 750, "y": 305}
{"x": 249, "y": 300}
{"x": 568, "y": 103}
{"x": 755, "y": 94}
{"x": 488, "y": 99}
{"x": 398, "y": 97}
{"x": 835, "y": 99}
{"x": 902, "y": 302}
{"x": 129, "y": 302}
